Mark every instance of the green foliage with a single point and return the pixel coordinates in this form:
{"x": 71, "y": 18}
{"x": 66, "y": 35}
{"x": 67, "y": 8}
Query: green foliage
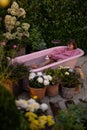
{"x": 62, "y": 19}
{"x": 19, "y": 71}
{"x": 10, "y": 117}
{"x": 53, "y": 73}
{"x": 36, "y": 39}
{"x": 72, "y": 118}
{"x": 56, "y": 19}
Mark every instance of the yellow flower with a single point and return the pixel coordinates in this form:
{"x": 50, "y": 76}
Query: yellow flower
{"x": 50, "y": 120}
{"x": 42, "y": 121}
{"x": 35, "y": 97}
{"x": 34, "y": 125}
{"x": 31, "y": 116}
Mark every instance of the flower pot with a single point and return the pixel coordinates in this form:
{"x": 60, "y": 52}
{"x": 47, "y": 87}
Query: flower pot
{"x": 67, "y": 93}
{"x": 8, "y": 85}
{"x": 39, "y": 92}
{"x": 52, "y": 90}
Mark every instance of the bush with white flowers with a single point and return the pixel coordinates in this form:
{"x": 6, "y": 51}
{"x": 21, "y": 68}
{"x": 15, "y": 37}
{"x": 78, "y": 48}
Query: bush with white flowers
{"x": 39, "y": 80}
{"x": 15, "y": 28}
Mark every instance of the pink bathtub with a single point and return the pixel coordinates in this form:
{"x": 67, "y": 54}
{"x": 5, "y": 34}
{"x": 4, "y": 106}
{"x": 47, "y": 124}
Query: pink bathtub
{"x": 39, "y": 57}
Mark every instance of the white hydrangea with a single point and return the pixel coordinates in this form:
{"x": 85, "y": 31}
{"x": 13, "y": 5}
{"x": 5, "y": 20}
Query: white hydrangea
{"x": 15, "y": 5}
{"x": 40, "y": 79}
{"x": 11, "y": 23}
{"x": 25, "y": 26}
{"x": 43, "y": 107}
{"x": 21, "y": 13}
{"x": 8, "y": 35}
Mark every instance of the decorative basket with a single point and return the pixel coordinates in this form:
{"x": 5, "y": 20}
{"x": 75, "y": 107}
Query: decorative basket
{"x": 67, "y": 93}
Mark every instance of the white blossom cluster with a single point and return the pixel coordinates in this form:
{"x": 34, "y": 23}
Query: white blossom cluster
{"x": 31, "y": 105}
{"x": 67, "y": 68}
{"x": 40, "y": 78}
{"x": 15, "y": 29}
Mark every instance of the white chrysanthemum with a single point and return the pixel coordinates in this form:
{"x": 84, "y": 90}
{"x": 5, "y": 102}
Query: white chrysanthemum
{"x": 70, "y": 70}
{"x": 33, "y": 107}
{"x": 21, "y": 103}
{"x": 31, "y": 76}
{"x": 40, "y": 79}
{"x": 66, "y": 73}
{"x": 39, "y": 73}
{"x": 45, "y": 77}
{"x": 46, "y": 82}
{"x": 30, "y": 101}
{"x": 49, "y": 77}
{"x": 44, "y": 107}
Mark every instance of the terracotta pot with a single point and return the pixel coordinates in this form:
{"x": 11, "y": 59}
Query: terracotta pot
{"x": 8, "y": 85}
{"x": 39, "y": 92}
{"x": 52, "y": 90}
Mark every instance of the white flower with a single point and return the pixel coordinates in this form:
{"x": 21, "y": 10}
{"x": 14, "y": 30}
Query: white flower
{"x": 67, "y": 67}
{"x": 39, "y": 73}
{"x": 66, "y": 73}
{"x": 46, "y": 82}
{"x": 45, "y": 77}
{"x": 33, "y": 107}
{"x": 21, "y": 103}
{"x": 49, "y": 77}
{"x": 40, "y": 79}
{"x": 25, "y": 26}
{"x": 44, "y": 107}
{"x": 31, "y": 76}
{"x": 30, "y": 101}
{"x": 70, "y": 70}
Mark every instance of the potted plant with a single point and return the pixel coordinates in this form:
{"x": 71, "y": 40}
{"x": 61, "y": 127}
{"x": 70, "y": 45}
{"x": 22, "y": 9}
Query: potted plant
{"x": 69, "y": 79}
{"x": 38, "y": 83}
{"x": 19, "y": 76}
{"x": 5, "y": 70}
{"x": 52, "y": 89}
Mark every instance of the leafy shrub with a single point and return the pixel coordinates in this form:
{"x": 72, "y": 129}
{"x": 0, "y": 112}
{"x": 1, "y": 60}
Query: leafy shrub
{"x": 10, "y": 117}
